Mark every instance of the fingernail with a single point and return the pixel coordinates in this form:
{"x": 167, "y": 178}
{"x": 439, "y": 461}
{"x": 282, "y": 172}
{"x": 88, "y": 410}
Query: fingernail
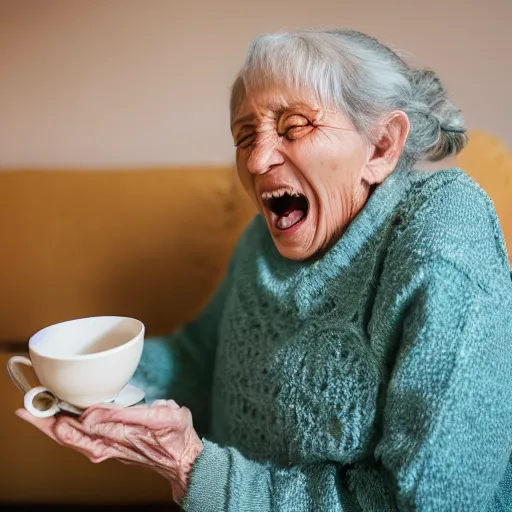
{"x": 173, "y": 404}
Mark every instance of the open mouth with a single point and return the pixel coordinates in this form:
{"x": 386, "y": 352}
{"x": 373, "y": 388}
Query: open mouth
{"x": 288, "y": 209}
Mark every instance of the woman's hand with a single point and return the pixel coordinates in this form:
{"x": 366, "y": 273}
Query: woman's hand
{"x": 160, "y": 436}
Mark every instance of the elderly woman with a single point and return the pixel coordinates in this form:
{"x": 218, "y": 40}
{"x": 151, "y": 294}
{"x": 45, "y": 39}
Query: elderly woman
{"x": 358, "y": 354}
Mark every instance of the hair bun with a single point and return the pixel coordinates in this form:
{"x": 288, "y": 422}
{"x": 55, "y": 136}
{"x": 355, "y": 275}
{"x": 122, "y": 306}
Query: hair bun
{"x": 437, "y": 125}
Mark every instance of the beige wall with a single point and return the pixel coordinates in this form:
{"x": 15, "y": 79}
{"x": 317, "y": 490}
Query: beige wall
{"x": 129, "y": 82}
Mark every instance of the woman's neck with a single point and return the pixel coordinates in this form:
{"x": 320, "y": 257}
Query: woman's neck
{"x": 446, "y": 163}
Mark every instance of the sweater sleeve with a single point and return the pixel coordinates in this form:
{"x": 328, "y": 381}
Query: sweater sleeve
{"x": 447, "y": 423}
{"x": 180, "y": 366}
{"x": 444, "y": 435}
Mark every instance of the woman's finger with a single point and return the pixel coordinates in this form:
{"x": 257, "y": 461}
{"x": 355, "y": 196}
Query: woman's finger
{"x": 71, "y": 433}
{"x": 112, "y": 406}
{"x": 160, "y": 402}
{"x": 168, "y": 416}
{"x": 65, "y": 431}
{"x": 45, "y": 425}
{"x": 96, "y": 407}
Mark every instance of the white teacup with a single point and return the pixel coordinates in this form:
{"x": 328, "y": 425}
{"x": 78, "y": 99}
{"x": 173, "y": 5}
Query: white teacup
{"x": 82, "y": 362}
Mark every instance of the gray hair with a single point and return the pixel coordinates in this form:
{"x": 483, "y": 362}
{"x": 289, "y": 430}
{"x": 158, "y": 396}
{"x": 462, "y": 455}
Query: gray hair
{"x": 354, "y": 73}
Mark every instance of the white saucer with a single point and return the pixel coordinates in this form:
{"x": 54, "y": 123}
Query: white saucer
{"x": 130, "y": 395}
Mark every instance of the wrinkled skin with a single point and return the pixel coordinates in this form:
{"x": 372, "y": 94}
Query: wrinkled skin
{"x": 160, "y": 436}
{"x": 285, "y": 141}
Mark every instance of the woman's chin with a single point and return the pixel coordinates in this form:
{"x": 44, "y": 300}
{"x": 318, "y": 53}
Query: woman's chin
{"x": 294, "y": 253}
{"x": 294, "y": 243}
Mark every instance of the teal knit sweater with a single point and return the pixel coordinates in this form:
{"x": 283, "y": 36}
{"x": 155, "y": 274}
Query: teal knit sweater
{"x": 377, "y": 378}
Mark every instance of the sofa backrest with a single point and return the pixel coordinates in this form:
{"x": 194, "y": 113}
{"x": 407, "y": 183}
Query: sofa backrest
{"x": 148, "y": 244}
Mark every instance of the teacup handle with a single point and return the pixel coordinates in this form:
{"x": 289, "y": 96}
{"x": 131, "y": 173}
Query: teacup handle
{"x": 47, "y": 401}
{"x": 16, "y": 374}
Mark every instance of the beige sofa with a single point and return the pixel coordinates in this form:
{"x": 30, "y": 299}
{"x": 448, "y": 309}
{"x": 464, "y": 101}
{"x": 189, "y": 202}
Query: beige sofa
{"x": 147, "y": 243}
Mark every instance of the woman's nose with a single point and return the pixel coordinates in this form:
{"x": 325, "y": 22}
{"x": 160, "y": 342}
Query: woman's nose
{"x": 265, "y": 155}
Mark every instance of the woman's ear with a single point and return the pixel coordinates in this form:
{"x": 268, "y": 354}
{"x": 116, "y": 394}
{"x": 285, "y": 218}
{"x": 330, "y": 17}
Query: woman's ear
{"x": 386, "y": 150}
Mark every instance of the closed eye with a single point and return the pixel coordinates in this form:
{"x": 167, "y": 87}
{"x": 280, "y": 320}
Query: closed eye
{"x": 245, "y": 141}
{"x": 295, "y": 132}
{"x": 293, "y": 126}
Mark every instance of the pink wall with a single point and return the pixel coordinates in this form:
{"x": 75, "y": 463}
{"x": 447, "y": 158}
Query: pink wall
{"x": 116, "y": 82}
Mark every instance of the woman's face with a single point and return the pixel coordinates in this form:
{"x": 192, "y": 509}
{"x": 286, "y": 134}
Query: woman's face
{"x": 303, "y": 167}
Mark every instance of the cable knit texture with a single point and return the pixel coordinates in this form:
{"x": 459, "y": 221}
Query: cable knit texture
{"x": 377, "y": 378}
